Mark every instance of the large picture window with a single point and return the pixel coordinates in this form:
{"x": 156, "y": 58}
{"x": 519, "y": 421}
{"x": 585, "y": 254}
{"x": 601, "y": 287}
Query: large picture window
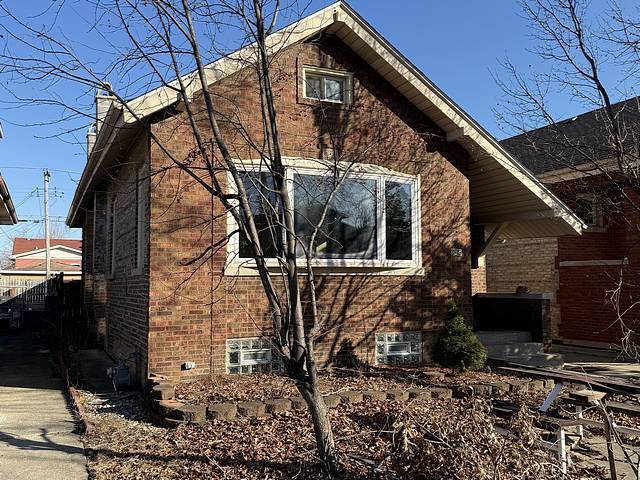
{"x": 370, "y": 219}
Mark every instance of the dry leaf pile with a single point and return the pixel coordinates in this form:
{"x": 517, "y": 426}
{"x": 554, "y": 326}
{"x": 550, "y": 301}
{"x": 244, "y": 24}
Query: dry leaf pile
{"x": 433, "y": 439}
{"x": 221, "y": 388}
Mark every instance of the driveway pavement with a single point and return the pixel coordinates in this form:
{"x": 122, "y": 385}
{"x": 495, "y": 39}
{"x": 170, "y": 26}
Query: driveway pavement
{"x": 37, "y": 439}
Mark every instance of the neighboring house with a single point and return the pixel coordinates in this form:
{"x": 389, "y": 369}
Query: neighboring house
{"x": 578, "y": 272}
{"x": 28, "y": 259}
{"x": 383, "y": 294}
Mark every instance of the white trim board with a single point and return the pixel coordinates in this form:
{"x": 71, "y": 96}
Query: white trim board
{"x": 595, "y": 263}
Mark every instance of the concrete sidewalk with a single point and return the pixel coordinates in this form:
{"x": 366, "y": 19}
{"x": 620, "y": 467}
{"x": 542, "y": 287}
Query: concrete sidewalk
{"x": 37, "y": 439}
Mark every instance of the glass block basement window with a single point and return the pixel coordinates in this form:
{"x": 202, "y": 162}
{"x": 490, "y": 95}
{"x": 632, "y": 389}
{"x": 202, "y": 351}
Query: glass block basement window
{"x": 398, "y": 348}
{"x": 252, "y": 355}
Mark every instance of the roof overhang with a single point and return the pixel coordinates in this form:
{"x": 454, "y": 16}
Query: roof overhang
{"x": 8, "y": 214}
{"x": 40, "y": 273}
{"x": 502, "y": 191}
{"x": 75, "y": 251}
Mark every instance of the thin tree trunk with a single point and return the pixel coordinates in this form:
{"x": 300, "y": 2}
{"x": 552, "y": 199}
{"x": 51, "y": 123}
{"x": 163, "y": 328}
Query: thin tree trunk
{"x": 322, "y": 428}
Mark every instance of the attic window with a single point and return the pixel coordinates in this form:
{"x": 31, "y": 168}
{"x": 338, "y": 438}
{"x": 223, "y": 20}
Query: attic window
{"x": 327, "y": 85}
{"x": 589, "y": 209}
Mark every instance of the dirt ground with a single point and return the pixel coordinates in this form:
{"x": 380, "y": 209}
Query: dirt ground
{"x": 432, "y": 439}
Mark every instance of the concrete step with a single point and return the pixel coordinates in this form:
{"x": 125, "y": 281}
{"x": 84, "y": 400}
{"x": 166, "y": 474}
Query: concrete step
{"x": 502, "y": 337}
{"x": 523, "y": 348}
{"x": 549, "y": 360}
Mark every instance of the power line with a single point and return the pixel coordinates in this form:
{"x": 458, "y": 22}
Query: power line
{"x": 19, "y": 167}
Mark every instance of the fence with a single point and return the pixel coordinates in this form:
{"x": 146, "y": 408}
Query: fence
{"x": 28, "y": 294}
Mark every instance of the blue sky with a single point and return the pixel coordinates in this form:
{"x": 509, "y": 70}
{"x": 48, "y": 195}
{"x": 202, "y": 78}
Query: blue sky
{"x": 457, "y": 43}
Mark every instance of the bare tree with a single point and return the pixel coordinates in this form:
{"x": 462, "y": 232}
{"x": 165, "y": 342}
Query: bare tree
{"x": 577, "y": 44}
{"x": 168, "y": 39}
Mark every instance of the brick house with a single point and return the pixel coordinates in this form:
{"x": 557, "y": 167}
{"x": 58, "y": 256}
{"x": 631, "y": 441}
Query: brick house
{"x": 577, "y": 271}
{"x": 28, "y": 258}
{"x": 141, "y": 219}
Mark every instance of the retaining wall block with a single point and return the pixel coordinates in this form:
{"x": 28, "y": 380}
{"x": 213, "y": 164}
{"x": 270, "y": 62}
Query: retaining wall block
{"x": 461, "y": 391}
{"x": 277, "y": 405}
{"x": 482, "y": 389}
{"x": 351, "y": 397}
{"x": 163, "y": 391}
{"x": 499, "y": 388}
{"x": 377, "y": 395}
{"x": 192, "y": 413}
{"x": 222, "y": 411}
{"x": 331, "y": 401}
{"x": 518, "y": 386}
{"x": 251, "y": 409}
{"x": 441, "y": 393}
{"x": 167, "y": 408}
{"x": 419, "y": 393}
{"x": 396, "y": 394}
{"x": 536, "y": 385}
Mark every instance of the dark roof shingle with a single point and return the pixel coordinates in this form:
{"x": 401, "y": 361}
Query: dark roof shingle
{"x": 575, "y": 141}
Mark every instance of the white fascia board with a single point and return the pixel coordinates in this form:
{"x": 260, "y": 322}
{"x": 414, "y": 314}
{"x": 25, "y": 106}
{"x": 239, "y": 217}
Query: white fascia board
{"x": 39, "y": 272}
{"x": 165, "y": 96}
{"x": 39, "y": 250}
{"x": 465, "y": 125}
{"x": 583, "y": 170}
{"x": 113, "y": 122}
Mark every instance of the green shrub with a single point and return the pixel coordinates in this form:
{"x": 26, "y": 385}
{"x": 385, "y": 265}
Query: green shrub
{"x": 456, "y": 346}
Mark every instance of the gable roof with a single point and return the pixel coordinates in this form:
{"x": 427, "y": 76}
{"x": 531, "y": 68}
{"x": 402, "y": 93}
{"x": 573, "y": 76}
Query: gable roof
{"x": 501, "y": 189}
{"x": 27, "y": 245}
{"x": 575, "y": 141}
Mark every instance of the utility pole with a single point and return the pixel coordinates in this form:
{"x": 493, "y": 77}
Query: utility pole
{"x": 47, "y": 240}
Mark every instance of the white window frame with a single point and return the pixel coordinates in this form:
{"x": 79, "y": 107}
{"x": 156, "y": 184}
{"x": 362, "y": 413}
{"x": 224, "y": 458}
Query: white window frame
{"x": 140, "y": 224}
{"x": 323, "y": 73}
{"x": 386, "y": 343}
{"x": 363, "y": 171}
{"x": 111, "y": 225}
{"x": 596, "y": 210}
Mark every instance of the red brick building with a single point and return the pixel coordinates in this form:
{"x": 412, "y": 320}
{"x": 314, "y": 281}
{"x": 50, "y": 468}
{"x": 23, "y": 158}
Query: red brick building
{"x": 574, "y": 160}
{"x": 383, "y": 299}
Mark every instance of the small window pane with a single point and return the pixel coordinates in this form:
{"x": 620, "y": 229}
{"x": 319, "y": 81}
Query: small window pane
{"x": 313, "y": 87}
{"x": 584, "y": 209}
{"x": 398, "y": 348}
{"x": 263, "y": 202}
{"x": 398, "y": 220}
{"x": 349, "y": 227}
{"x": 334, "y": 89}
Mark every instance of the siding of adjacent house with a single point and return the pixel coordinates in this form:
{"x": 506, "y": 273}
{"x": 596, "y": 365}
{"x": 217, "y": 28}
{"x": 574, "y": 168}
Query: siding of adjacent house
{"x": 581, "y": 309}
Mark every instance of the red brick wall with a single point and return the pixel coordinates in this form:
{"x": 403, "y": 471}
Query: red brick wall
{"x": 126, "y": 288}
{"x": 192, "y": 313}
{"x": 588, "y": 313}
